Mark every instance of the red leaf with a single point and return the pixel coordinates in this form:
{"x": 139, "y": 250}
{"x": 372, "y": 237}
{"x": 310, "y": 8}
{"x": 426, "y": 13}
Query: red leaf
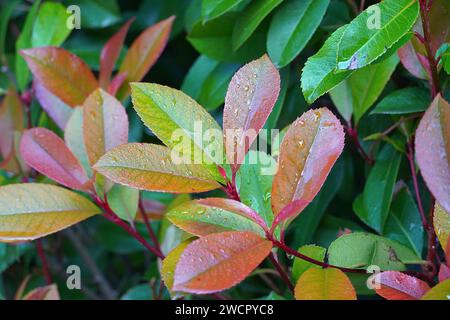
{"x": 46, "y": 152}
{"x": 111, "y": 52}
{"x": 219, "y": 261}
{"x": 62, "y": 73}
{"x": 250, "y": 98}
{"x": 105, "y": 124}
{"x": 116, "y": 83}
{"x": 144, "y": 52}
{"x": 394, "y": 285}
{"x": 411, "y": 61}
{"x": 444, "y": 273}
{"x": 433, "y": 150}
{"x": 309, "y": 150}
{"x": 11, "y": 119}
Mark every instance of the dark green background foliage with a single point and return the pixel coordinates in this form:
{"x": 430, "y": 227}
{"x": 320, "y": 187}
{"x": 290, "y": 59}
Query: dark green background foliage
{"x": 207, "y": 46}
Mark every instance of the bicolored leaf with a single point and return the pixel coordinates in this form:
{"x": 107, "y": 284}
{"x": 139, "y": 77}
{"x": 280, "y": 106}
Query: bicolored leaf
{"x": 144, "y": 52}
{"x": 11, "y": 119}
{"x": 176, "y": 119}
{"x": 60, "y": 71}
{"x": 309, "y": 150}
{"x": 110, "y": 54}
{"x": 74, "y": 138}
{"x": 439, "y": 292}
{"x": 410, "y": 60}
{"x": 360, "y": 250}
{"x": 49, "y": 292}
{"x": 318, "y": 74}
{"x": 433, "y": 150}
{"x": 251, "y": 95}
{"x": 300, "y": 266}
{"x": 219, "y": 261}
{"x": 58, "y": 111}
{"x": 30, "y": 211}
{"x": 45, "y": 152}
{"x": 444, "y": 271}
{"x": 292, "y": 26}
{"x": 169, "y": 264}
{"x": 213, "y": 215}
{"x": 149, "y": 167}
{"x": 363, "y": 41}
{"x": 324, "y": 284}
{"x": 249, "y": 20}
{"x": 105, "y": 124}
{"x": 441, "y": 223}
{"x": 394, "y": 285}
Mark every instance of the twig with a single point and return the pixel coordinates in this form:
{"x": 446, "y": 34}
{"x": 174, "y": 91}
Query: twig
{"x": 353, "y": 134}
{"x": 362, "y": 5}
{"x": 353, "y": 5}
{"x": 149, "y": 227}
{"x": 104, "y": 285}
{"x": 281, "y": 271}
{"x": 45, "y": 269}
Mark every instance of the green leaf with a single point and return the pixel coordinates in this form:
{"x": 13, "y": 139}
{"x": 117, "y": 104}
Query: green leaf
{"x": 254, "y": 180}
{"x": 5, "y": 14}
{"x": 372, "y": 206}
{"x": 404, "y": 224}
{"x": 97, "y": 13}
{"x": 30, "y": 211}
{"x": 444, "y": 53}
{"x": 213, "y": 39}
{"x": 365, "y": 40}
{"x": 214, "y": 215}
{"x": 207, "y": 81}
{"x": 50, "y": 27}
{"x": 318, "y": 75}
{"x": 249, "y": 19}
{"x": 10, "y": 254}
{"x": 124, "y": 201}
{"x": 173, "y": 117}
{"x": 404, "y": 101}
{"x": 300, "y": 265}
{"x": 361, "y": 250}
{"x": 215, "y": 8}
{"x": 360, "y": 91}
{"x": 139, "y": 292}
{"x": 439, "y": 292}
{"x": 292, "y": 26}
{"x": 24, "y": 42}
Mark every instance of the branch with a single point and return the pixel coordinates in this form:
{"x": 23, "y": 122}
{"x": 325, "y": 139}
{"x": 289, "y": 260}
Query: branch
{"x": 281, "y": 271}
{"x": 45, "y": 269}
{"x": 149, "y": 227}
{"x": 353, "y": 134}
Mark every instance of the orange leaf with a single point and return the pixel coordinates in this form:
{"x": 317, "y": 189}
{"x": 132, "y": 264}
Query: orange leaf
{"x": 62, "y": 73}
{"x": 251, "y": 95}
{"x": 47, "y": 153}
{"x": 43, "y": 293}
{"x": 324, "y": 284}
{"x": 433, "y": 150}
{"x": 219, "y": 261}
{"x": 144, "y": 52}
{"x": 394, "y": 285}
{"x": 105, "y": 124}
{"x": 309, "y": 150}
{"x": 11, "y": 119}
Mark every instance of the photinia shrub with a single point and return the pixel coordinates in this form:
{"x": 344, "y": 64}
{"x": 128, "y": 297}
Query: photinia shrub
{"x": 350, "y": 199}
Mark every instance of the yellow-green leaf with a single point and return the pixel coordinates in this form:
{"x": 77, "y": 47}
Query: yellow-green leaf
{"x": 439, "y": 292}
{"x": 30, "y": 211}
{"x": 170, "y": 263}
{"x": 441, "y": 222}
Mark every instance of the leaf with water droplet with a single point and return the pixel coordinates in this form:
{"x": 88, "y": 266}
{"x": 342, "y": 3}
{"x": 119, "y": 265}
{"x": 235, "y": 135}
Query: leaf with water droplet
{"x": 394, "y": 285}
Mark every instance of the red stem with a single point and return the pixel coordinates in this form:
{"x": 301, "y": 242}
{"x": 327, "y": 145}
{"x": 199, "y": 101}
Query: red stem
{"x": 45, "y": 268}
{"x": 434, "y": 77}
{"x": 353, "y": 134}
{"x": 149, "y": 227}
{"x": 281, "y": 271}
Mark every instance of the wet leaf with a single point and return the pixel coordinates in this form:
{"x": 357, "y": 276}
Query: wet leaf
{"x": 394, "y": 285}
{"x": 441, "y": 222}
{"x": 175, "y": 118}
{"x": 170, "y": 263}
{"x": 324, "y": 284}
{"x": 433, "y": 150}
{"x": 143, "y": 53}
{"x": 149, "y": 167}
{"x": 30, "y": 211}
{"x": 219, "y": 261}
{"x": 60, "y": 71}
{"x": 45, "y": 152}
{"x": 309, "y": 150}
{"x": 105, "y": 124}
{"x": 213, "y": 215}
{"x": 251, "y": 95}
